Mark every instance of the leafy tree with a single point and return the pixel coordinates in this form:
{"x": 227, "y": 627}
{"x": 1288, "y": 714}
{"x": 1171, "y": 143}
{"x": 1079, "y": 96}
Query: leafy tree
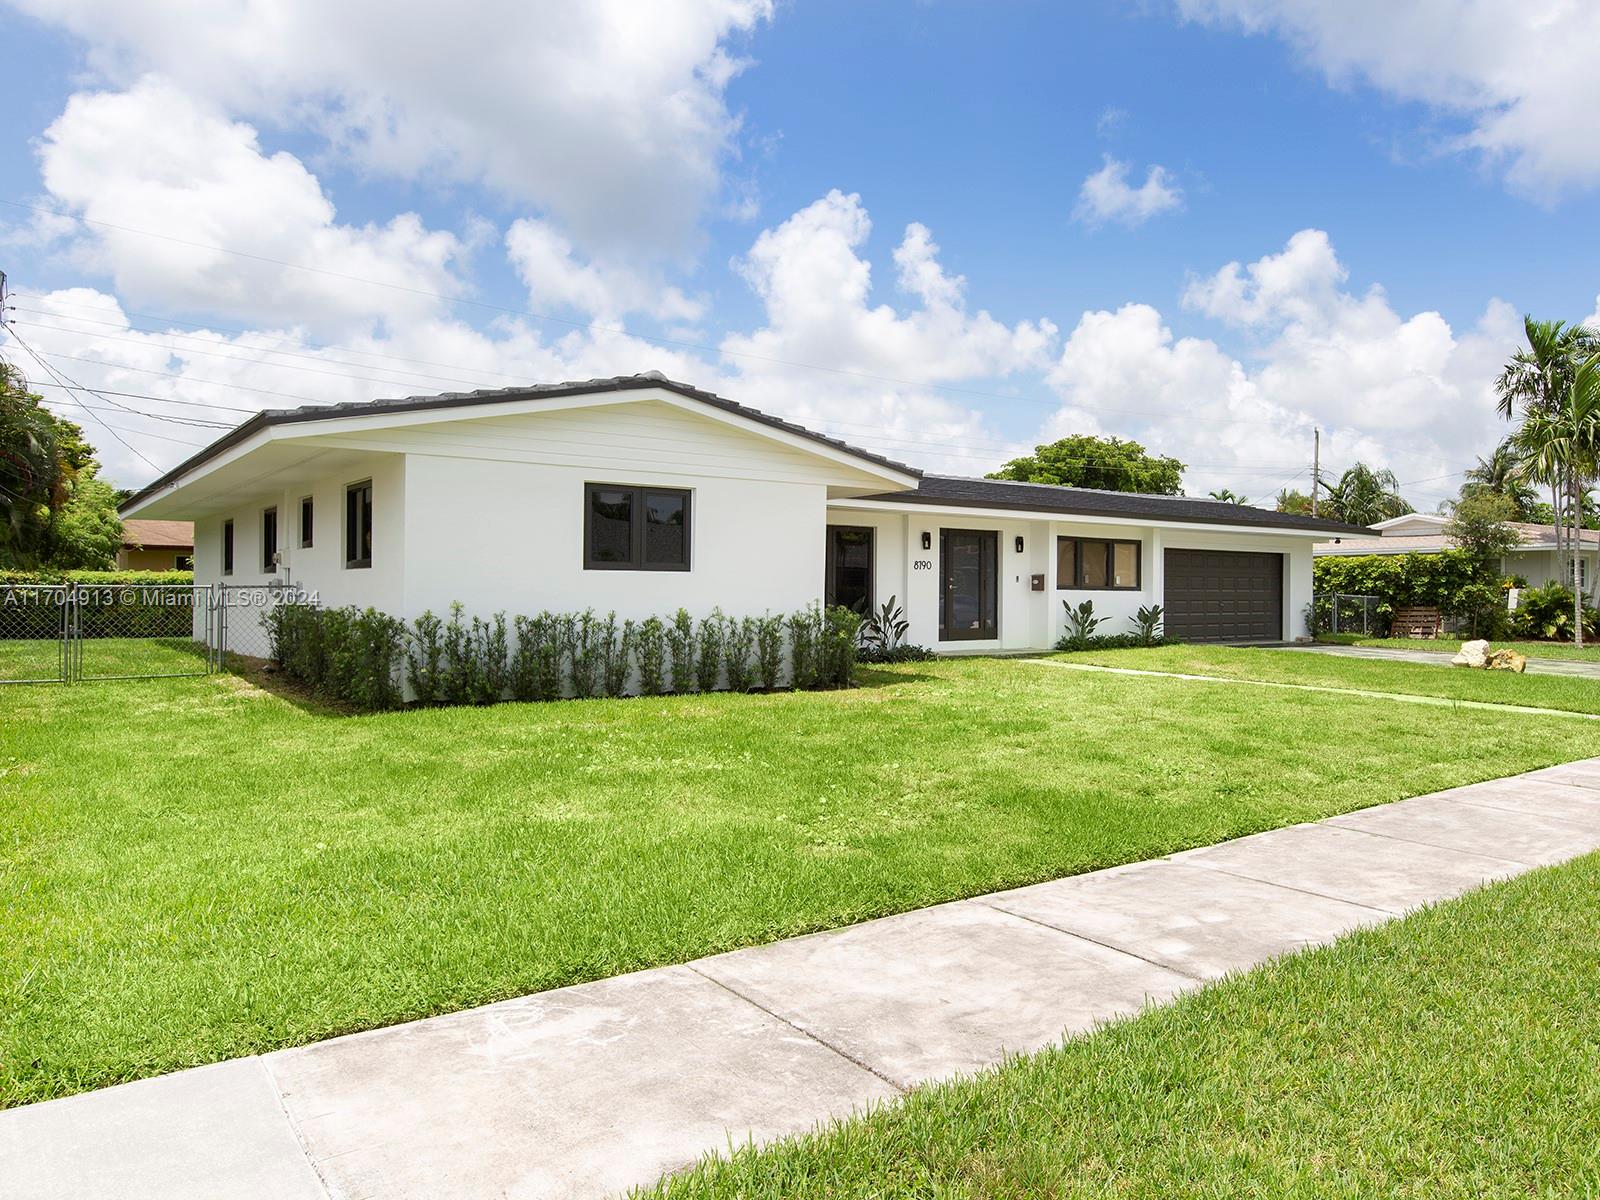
{"x": 56, "y": 513}
{"x": 1363, "y": 496}
{"x": 1110, "y": 464}
{"x": 1560, "y": 441}
{"x": 1503, "y": 474}
{"x": 1291, "y": 500}
{"x": 1481, "y": 530}
{"x": 1229, "y": 496}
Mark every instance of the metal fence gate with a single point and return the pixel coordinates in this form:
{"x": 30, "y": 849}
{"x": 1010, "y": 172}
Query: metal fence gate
{"x": 71, "y": 632}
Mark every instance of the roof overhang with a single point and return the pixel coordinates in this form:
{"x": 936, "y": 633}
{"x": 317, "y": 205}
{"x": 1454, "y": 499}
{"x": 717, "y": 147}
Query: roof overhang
{"x": 276, "y": 442}
{"x": 990, "y": 511}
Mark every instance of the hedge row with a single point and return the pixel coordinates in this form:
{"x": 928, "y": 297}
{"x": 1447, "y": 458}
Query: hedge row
{"x": 358, "y": 657}
{"x": 99, "y": 578}
{"x": 1396, "y": 579}
{"x": 108, "y": 604}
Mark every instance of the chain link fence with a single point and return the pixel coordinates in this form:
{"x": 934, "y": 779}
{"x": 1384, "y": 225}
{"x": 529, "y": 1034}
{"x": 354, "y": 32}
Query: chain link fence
{"x": 1340, "y": 612}
{"x": 243, "y": 618}
{"x": 66, "y": 632}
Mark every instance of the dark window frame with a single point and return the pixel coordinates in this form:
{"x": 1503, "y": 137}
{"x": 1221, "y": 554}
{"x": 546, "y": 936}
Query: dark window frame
{"x": 227, "y": 547}
{"x": 353, "y": 536}
{"x": 638, "y": 494}
{"x": 992, "y": 538}
{"x": 183, "y": 562}
{"x": 1077, "y": 585}
{"x": 307, "y": 519}
{"x": 269, "y": 545}
{"x": 829, "y": 581}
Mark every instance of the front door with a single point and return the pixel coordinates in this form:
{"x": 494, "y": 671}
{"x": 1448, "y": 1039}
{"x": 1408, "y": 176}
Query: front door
{"x": 969, "y": 560}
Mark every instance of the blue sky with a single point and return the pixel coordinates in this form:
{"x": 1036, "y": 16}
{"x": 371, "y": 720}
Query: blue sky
{"x": 1045, "y": 200}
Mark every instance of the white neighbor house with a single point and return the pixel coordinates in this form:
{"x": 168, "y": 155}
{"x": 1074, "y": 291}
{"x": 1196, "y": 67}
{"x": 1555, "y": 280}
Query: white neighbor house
{"x": 1535, "y": 559}
{"x": 642, "y": 495}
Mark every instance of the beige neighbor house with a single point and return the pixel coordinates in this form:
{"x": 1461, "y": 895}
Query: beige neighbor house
{"x": 156, "y": 545}
{"x": 1424, "y": 533}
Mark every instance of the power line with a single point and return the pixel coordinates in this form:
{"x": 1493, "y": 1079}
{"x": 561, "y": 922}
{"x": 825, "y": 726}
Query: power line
{"x": 10, "y": 329}
{"x": 162, "y": 399}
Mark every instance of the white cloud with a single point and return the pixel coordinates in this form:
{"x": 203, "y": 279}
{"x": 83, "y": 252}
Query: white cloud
{"x": 151, "y": 159}
{"x": 608, "y": 115}
{"x": 551, "y": 270}
{"x": 1521, "y": 75}
{"x": 1403, "y": 392}
{"x": 1107, "y": 195}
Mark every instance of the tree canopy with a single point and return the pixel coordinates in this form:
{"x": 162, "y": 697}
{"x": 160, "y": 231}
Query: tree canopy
{"x": 1363, "y": 495}
{"x": 56, "y": 512}
{"x": 1110, "y": 464}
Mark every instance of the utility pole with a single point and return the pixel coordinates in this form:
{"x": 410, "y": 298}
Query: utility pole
{"x": 1316, "y": 466}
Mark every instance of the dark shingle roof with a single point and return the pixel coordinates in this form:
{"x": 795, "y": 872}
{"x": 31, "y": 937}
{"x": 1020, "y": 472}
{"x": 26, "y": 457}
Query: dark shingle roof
{"x": 963, "y": 492}
{"x": 620, "y": 383}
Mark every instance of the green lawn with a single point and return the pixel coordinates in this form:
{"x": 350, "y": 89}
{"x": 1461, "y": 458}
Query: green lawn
{"x": 40, "y": 658}
{"x": 1589, "y": 653}
{"x": 193, "y": 869}
{"x": 1453, "y": 1053}
{"x": 1328, "y": 670}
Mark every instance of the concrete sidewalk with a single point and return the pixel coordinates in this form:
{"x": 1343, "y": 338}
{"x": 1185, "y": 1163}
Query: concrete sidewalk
{"x": 1576, "y": 667}
{"x": 592, "y": 1089}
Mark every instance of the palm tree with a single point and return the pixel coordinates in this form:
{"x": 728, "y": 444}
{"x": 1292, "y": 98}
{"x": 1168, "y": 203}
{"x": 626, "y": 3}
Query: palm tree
{"x": 1365, "y": 495}
{"x": 1536, "y": 378}
{"x": 1229, "y": 496}
{"x": 1561, "y": 441}
{"x": 1501, "y": 474}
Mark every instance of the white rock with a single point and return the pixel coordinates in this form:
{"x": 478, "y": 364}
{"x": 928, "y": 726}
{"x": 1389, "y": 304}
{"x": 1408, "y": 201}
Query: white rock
{"x": 1472, "y": 654}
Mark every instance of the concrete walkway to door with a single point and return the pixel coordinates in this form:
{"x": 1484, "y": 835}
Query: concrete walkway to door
{"x": 1581, "y": 668}
{"x": 589, "y": 1090}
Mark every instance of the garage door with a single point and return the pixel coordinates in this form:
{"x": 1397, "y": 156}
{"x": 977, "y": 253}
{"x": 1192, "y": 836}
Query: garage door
{"x": 1223, "y": 596}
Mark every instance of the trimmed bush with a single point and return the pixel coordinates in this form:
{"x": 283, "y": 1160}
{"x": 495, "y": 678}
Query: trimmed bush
{"x": 536, "y": 664}
{"x": 681, "y": 641}
{"x": 351, "y": 655}
{"x": 651, "y": 648}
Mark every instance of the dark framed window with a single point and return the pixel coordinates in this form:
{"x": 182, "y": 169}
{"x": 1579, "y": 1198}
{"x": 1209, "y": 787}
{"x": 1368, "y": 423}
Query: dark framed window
{"x": 358, "y": 524}
{"x": 183, "y": 562}
{"x": 630, "y": 528}
{"x": 969, "y": 570}
{"x": 305, "y": 522}
{"x": 847, "y": 578}
{"x": 1098, "y": 564}
{"x": 269, "y": 540}
{"x": 227, "y": 547}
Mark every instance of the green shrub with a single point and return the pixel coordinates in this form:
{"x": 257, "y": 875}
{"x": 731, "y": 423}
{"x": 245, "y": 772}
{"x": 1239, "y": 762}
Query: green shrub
{"x": 616, "y": 654}
{"x": 347, "y": 654}
{"x": 651, "y": 648}
{"x": 490, "y": 676}
{"x": 837, "y": 647}
{"x": 741, "y": 645}
{"x": 583, "y": 653}
{"x": 536, "y": 666}
{"x": 804, "y": 632}
{"x": 681, "y": 640}
{"x": 1147, "y": 625}
{"x": 424, "y": 659}
{"x": 98, "y": 578}
{"x": 713, "y": 636}
{"x": 769, "y": 650}
{"x": 1546, "y": 613}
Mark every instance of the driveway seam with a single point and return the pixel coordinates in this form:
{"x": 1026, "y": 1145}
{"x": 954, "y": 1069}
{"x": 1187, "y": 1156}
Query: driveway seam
{"x": 1289, "y": 887}
{"x": 1411, "y": 841}
{"x": 294, "y": 1127}
{"x": 825, "y": 1044}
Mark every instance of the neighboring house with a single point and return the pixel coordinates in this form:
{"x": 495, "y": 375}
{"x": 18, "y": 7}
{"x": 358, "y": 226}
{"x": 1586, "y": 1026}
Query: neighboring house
{"x": 156, "y": 545}
{"x": 641, "y": 495}
{"x": 1424, "y": 533}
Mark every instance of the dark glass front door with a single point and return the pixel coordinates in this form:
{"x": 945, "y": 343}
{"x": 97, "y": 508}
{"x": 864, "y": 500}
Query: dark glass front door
{"x": 968, "y": 563}
{"x": 849, "y": 571}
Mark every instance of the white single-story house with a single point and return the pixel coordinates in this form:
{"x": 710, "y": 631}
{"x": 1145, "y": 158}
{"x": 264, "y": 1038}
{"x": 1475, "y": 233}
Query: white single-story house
{"x": 641, "y": 495}
{"x": 1424, "y": 533}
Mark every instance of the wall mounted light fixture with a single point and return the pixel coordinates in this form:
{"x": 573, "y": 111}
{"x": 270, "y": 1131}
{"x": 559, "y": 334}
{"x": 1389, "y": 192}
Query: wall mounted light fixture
{"x": 927, "y": 540}
{"x": 1019, "y": 543}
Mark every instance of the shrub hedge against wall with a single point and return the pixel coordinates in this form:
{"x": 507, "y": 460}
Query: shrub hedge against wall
{"x": 358, "y": 656}
{"x": 1395, "y": 578}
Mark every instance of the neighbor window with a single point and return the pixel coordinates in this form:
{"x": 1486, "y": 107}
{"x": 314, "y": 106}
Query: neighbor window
{"x": 227, "y": 547}
{"x": 183, "y": 562}
{"x": 1091, "y": 564}
{"x": 627, "y": 528}
{"x": 269, "y": 540}
{"x": 305, "y": 522}
{"x": 358, "y": 524}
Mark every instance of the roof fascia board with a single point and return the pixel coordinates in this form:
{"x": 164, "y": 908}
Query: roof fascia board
{"x": 993, "y": 512}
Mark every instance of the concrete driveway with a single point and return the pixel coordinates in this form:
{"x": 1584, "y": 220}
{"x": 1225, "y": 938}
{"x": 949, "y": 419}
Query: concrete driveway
{"x": 1536, "y": 666}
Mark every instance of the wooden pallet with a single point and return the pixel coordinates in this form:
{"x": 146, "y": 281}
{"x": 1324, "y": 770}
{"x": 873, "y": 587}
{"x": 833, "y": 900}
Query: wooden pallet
{"x": 1417, "y": 621}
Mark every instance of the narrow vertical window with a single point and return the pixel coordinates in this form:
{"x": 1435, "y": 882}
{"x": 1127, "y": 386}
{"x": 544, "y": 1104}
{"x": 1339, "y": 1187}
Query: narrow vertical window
{"x": 227, "y": 547}
{"x": 358, "y": 524}
{"x": 305, "y": 522}
{"x": 269, "y": 541}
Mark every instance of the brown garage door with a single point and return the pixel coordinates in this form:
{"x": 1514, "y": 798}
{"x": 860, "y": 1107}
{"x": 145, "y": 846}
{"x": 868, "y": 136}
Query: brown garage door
{"x": 1223, "y": 596}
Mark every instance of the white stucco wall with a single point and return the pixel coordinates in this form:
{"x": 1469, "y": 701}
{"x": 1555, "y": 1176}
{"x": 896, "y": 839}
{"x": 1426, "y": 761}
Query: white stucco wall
{"x": 1035, "y": 620}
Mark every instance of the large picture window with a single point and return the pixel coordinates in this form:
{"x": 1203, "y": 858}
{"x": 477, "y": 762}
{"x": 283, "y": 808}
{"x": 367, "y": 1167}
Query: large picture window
{"x": 1094, "y": 564}
{"x": 630, "y": 528}
{"x": 358, "y": 524}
